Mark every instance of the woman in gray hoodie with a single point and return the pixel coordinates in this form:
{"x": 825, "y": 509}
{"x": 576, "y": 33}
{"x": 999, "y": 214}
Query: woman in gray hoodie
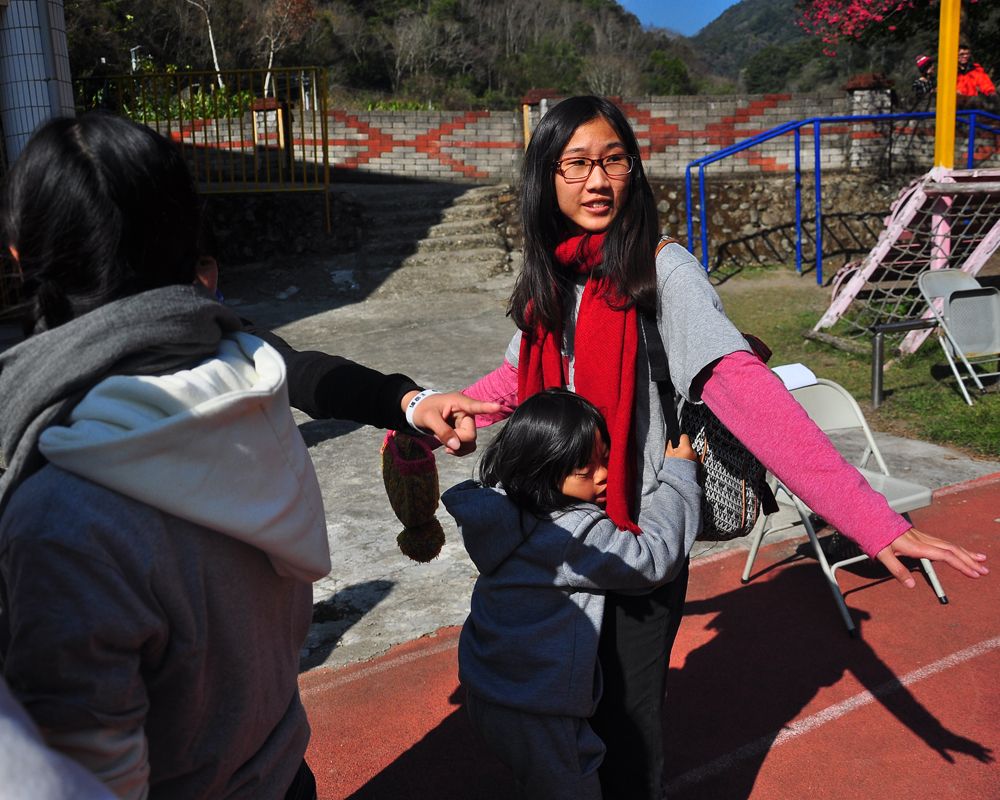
{"x": 546, "y": 553}
{"x": 160, "y": 518}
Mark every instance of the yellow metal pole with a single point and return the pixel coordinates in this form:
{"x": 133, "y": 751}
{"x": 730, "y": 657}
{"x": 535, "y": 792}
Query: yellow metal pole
{"x": 947, "y": 74}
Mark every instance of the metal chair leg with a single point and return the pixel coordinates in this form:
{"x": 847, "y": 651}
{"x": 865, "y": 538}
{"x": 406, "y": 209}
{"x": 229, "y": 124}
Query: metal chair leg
{"x": 757, "y": 541}
{"x": 831, "y": 579}
{"x": 957, "y": 374}
{"x": 752, "y": 555}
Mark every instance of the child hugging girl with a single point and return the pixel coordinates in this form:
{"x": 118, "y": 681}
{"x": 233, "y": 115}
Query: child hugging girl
{"x": 546, "y": 551}
{"x": 590, "y": 268}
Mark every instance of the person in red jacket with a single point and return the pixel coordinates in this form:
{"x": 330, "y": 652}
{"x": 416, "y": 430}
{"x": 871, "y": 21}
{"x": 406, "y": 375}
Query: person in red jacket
{"x": 973, "y": 83}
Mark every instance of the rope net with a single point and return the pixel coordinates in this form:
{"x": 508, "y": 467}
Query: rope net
{"x": 947, "y": 219}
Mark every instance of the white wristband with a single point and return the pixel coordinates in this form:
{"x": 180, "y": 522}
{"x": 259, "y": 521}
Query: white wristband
{"x": 412, "y": 407}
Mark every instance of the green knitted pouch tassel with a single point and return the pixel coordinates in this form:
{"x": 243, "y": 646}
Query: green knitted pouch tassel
{"x": 409, "y": 472}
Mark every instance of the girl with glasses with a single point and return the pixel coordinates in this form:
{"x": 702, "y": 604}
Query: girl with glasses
{"x": 590, "y": 232}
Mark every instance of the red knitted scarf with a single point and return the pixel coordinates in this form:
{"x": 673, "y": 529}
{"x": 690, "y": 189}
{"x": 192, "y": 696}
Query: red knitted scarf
{"x": 605, "y": 343}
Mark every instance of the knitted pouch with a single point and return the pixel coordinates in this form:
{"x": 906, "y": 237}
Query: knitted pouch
{"x": 733, "y": 479}
{"x": 409, "y": 473}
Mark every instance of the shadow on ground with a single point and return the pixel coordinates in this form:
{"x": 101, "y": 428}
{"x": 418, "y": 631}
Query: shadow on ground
{"x": 336, "y": 615}
{"x": 736, "y": 694}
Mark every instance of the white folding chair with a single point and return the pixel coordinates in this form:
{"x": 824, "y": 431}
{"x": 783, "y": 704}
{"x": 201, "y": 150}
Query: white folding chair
{"x": 832, "y": 408}
{"x": 968, "y": 317}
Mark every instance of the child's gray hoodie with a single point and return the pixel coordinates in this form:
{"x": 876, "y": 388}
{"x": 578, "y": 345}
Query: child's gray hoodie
{"x": 530, "y": 641}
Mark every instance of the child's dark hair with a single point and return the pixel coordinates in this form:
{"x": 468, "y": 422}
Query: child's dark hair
{"x": 98, "y": 208}
{"x": 546, "y": 438}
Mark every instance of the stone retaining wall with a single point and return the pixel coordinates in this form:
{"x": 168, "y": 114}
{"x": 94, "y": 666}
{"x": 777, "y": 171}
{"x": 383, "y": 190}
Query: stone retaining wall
{"x": 751, "y": 221}
{"x": 475, "y": 146}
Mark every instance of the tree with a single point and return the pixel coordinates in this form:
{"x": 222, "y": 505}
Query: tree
{"x": 667, "y": 75}
{"x": 348, "y": 27}
{"x": 205, "y": 6}
{"x": 775, "y": 68}
{"x": 283, "y": 22}
{"x": 473, "y": 52}
{"x": 833, "y": 20}
{"x": 411, "y": 42}
{"x": 610, "y": 74}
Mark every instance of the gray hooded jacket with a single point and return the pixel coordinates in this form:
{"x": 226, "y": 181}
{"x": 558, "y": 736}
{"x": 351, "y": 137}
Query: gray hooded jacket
{"x": 530, "y": 641}
{"x": 154, "y": 578}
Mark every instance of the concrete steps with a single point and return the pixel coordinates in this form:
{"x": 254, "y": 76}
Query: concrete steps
{"x": 422, "y": 238}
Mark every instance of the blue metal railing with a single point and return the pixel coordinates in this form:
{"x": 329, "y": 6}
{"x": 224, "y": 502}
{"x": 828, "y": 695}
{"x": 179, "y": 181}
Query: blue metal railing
{"x": 970, "y": 117}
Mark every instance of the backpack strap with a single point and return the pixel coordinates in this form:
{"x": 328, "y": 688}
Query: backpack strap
{"x": 659, "y": 373}
{"x": 664, "y": 241}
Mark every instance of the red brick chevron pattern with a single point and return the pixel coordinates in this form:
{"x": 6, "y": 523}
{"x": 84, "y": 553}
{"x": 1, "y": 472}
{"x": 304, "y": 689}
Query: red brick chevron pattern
{"x": 485, "y": 146}
{"x": 430, "y": 143}
{"x": 662, "y": 134}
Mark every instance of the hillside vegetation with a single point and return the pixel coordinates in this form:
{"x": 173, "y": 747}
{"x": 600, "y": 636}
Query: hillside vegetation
{"x": 443, "y": 53}
{"x": 487, "y": 53}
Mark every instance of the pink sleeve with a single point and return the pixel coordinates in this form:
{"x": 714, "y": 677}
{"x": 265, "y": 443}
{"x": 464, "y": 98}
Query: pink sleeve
{"x": 753, "y": 403}
{"x": 499, "y": 386}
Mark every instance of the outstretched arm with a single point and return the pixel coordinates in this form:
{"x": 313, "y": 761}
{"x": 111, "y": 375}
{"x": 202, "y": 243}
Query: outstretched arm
{"x": 325, "y": 386}
{"x": 752, "y": 402}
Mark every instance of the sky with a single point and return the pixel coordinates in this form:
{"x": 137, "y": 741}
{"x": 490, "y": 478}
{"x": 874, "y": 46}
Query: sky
{"x": 684, "y": 16}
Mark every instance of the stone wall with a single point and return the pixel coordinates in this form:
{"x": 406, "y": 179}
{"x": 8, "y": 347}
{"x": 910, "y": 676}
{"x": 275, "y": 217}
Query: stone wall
{"x": 474, "y": 146}
{"x": 750, "y": 196}
{"x": 487, "y": 146}
{"x": 751, "y": 219}
{"x": 262, "y": 227}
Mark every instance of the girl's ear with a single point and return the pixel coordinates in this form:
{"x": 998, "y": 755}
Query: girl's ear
{"x": 207, "y": 273}
{"x": 17, "y": 259}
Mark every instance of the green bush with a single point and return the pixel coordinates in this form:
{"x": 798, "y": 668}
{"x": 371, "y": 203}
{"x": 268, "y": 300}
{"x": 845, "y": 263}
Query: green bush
{"x": 154, "y": 101}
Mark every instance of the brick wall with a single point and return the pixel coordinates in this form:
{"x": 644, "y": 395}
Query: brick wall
{"x": 478, "y": 146}
{"x": 486, "y": 146}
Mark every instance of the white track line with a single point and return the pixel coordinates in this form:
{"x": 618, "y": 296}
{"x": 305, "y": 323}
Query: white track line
{"x": 342, "y": 680}
{"x": 834, "y": 712}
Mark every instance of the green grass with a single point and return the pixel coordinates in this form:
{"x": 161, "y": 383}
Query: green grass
{"x": 921, "y": 396}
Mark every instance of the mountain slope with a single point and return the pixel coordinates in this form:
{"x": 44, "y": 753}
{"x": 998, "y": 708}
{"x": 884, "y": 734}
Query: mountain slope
{"x": 741, "y": 31}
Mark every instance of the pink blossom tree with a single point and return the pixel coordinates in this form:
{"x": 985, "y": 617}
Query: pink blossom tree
{"x": 836, "y": 20}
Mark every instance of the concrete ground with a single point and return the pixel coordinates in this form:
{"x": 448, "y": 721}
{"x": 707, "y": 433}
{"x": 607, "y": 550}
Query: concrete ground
{"x": 375, "y": 597}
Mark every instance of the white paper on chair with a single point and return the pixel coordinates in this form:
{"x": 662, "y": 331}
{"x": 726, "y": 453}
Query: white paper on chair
{"x": 795, "y": 376}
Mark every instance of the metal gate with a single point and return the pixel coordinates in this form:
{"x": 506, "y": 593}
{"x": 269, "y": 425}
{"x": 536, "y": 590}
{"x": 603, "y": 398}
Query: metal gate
{"x": 241, "y": 131}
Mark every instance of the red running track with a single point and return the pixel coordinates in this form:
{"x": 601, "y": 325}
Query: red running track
{"x": 769, "y": 699}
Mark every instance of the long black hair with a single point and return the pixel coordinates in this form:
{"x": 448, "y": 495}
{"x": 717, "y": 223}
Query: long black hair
{"x": 98, "y": 208}
{"x": 631, "y": 238}
{"x": 548, "y": 436}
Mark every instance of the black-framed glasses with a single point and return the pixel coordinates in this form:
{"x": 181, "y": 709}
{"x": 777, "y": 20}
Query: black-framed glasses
{"x": 578, "y": 168}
